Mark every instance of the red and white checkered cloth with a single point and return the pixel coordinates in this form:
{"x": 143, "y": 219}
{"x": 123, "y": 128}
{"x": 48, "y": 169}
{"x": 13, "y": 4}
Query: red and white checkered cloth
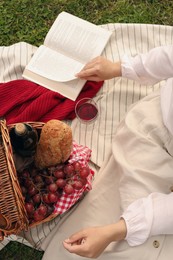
{"x": 82, "y": 154}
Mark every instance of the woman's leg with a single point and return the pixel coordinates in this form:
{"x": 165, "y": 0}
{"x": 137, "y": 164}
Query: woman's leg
{"x": 99, "y": 207}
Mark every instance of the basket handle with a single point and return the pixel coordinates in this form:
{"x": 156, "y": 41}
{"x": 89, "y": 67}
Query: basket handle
{"x": 2, "y": 120}
{"x": 1, "y": 235}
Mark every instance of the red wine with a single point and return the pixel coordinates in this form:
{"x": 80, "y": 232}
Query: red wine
{"x": 87, "y": 111}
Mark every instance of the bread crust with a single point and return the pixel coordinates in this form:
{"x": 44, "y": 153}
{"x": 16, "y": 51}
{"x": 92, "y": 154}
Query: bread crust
{"x": 55, "y": 144}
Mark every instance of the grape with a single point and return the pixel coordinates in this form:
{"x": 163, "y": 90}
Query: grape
{"x": 61, "y": 183}
{"x": 37, "y": 216}
{"x": 84, "y": 172}
{"x": 59, "y": 174}
{"x": 45, "y": 198}
{"x": 49, "y": 179}
{"x": 53, "y": 197}
{"x": 77, "y": 166}
{"x": 29, "y": 207}
{"x": 32, "y": 190}
{"x": 52, "y": 187}
{"x": 42, "y": 188}
{"x": 69, "y": 169}
{"x": 36, "y": 198}
{"x": 83, "y": 180}
{"x": 68, "y": 188}
{"x": 42, "y": 210}
{"x": 77, "y": 185}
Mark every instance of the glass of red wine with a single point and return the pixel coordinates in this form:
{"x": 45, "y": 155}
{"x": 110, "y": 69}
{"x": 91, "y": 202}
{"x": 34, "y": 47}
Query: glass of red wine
{"x": 86, "y": 110}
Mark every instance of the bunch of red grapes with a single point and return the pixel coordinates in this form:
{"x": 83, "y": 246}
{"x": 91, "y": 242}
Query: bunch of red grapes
{"x": 43, "y": 188}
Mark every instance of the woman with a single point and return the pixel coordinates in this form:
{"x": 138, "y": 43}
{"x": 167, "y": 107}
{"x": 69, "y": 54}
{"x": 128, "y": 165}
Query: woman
{"x": 142, "y": 158}
{"x": 129, "y": 212}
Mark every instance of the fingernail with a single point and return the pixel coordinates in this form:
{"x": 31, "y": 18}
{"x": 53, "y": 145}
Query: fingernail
{"x": 67, "y": 240}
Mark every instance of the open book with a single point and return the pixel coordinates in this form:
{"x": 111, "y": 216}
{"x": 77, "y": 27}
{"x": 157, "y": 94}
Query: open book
{"x": 70, "y": 43}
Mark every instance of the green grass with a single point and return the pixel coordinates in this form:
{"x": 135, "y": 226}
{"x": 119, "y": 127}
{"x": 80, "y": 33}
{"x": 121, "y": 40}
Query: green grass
{"x": 18, "y": 251}
{"x": 30, "y": 20}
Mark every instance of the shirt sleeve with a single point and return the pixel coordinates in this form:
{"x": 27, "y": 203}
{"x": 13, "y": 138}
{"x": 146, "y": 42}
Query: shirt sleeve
{"x": 149, "y": 216}
{"x": 149, "y": 68}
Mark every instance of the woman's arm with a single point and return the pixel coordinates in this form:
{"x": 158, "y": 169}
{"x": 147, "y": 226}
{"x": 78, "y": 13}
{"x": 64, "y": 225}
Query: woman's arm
{"x": 91, "y": 242}
{"x": 148, "y": 68}
{"x": 145, "y": 217}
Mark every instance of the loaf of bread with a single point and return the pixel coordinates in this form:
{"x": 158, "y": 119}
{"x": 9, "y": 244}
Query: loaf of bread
{"x": 55, "y": 144}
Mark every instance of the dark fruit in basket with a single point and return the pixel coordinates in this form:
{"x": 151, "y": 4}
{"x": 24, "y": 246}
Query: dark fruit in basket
{"x": 77, "y": 166}
{"x": 78, "y": 185}
{"x": 42, "y": 210}
{"x": 36, "y": 198}
{"x": 53, "y": 197}
{"x": 43, "y": 188}
{"x": 59, "y": 174}
{"x": 32, "y": 190}
{"x": 60, "y": 182}
{"x": 45, "y": 198}
{"x": 52, "y": 187}
{"x": 69, "y": 169}
{"x": 68, "y": 189}
{"x": 84, "y": 172}
{"x": 37, "y": 216}
{"x": 29, "y": 208}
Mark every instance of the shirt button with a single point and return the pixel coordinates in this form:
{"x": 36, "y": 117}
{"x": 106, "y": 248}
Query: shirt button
{"x": 156, "y": 243}
{"x": 171, "y": 188}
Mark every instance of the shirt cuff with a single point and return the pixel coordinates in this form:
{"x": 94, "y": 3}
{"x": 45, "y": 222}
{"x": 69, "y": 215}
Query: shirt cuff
{"x": 138, "y": 218}
{"x": 127, "y": 69}
{"x": 149, "y": 216}
{"x": 133, "y": 68}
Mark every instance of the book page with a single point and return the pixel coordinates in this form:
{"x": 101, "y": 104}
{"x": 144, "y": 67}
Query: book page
{"x": 53, "y": 65}
{"x": 76, "y": 38}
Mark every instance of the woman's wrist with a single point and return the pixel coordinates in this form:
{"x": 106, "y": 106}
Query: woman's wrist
{"x": 117, "y": 231}
{"x": 116, "y": 69}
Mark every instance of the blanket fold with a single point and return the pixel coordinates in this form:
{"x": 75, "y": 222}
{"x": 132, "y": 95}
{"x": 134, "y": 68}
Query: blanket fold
{"x": 23, "y": 100}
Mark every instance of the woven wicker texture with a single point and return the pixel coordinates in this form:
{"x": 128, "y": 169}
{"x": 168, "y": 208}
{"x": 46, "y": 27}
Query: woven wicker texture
{"x": 13, "y": 216}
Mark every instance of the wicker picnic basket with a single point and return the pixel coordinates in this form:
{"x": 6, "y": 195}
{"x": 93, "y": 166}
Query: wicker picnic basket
{"x": 13, "y": 216}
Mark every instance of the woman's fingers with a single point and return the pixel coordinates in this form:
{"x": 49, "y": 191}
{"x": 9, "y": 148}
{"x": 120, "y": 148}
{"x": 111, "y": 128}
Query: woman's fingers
{"x": 100, "y": 69}
{"x": 74, "y": 244}
{"x": 86, "y": 73}
{"x": 90, "y": 69}
{"x": 75, "y": 248}
{"x": 75, "y": 237}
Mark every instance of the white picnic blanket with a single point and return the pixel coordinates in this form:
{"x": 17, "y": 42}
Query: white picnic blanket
{"x": 113, "y": 99}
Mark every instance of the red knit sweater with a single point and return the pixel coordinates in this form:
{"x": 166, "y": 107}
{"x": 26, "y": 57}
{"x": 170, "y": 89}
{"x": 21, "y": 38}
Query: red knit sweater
{"x": 22, "y": 100}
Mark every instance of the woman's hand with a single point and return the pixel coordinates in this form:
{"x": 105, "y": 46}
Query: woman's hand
{"x": 91, "y": 242}
{"x": 100, "y": 69}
